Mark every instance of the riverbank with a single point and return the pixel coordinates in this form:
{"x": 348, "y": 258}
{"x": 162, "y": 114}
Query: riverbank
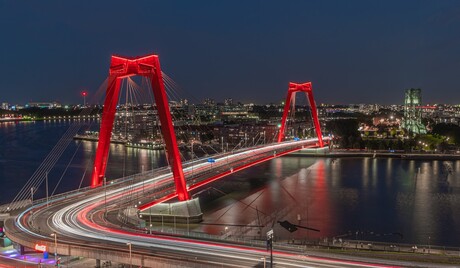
{"x": 375, "y": 154}
{"x": 416, "y": 254}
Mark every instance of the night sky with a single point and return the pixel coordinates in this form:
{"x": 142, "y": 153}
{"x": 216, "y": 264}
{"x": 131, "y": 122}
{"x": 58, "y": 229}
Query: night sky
{"x": 352, "y": 51}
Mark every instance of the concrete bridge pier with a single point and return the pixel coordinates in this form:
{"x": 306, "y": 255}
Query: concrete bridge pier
{"x": 180, "y": 212}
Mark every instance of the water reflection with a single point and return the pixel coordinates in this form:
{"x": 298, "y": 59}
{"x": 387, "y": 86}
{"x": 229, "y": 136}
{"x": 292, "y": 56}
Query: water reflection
{"x": 346, "y": 195}
{"x": 419, "y": 199}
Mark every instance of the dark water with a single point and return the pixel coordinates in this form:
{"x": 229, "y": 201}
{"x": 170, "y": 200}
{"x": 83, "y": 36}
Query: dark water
{"x": 402, "y": 201}
{"x": 24, "y": 145}
{"x": 398, "y": 200}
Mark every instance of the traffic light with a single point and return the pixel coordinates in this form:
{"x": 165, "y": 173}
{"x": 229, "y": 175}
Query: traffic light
{"x": 288, "y": 226}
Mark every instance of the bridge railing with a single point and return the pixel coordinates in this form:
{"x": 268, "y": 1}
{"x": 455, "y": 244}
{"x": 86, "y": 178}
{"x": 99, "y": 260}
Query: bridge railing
{"x": 251, "y": 152}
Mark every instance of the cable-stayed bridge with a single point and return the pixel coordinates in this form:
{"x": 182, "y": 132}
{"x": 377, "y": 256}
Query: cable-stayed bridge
{"x": 106, "y": 219}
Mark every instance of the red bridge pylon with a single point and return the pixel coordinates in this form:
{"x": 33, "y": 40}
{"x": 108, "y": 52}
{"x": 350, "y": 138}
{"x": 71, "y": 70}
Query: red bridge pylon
{"x": 123, "y": 67}
{"x": 292, "y": 90}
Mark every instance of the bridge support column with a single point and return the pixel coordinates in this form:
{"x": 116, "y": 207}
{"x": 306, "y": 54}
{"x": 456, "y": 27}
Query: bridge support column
{"x": 292, "y": 90}
{"x": 148, "y": 66}
{"x": 178, "y": 212}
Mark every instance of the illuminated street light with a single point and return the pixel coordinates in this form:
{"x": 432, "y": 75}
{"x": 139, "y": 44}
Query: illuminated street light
{"x": 32, "y": 195}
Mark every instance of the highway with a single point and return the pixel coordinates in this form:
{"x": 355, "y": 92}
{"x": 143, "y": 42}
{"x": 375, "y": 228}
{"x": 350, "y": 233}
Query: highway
{"x": 80, "y": 219}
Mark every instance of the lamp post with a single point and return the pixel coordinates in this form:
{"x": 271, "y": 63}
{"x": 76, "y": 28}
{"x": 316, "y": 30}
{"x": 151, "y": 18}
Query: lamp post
{"x": 130, "y": 256}
{"x": 32, "y": 195}
{"x": 188, "y": 227}
{"x": 105, "y": 194}
{"x": 142, "y": 180}
{"x": 270, "y": 235}
{"x": 46, "y": 184}
{"x": 55, "y": 246}
{"x": 150, "y": 219}
{"x": 191, "y": 147}
{"x": 429, "y": 244}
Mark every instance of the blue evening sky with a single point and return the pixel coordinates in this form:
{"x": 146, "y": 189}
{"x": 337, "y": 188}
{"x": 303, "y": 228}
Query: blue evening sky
{"x": 352, "y": 51}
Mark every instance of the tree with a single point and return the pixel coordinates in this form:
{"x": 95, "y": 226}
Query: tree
{"x": 346, "y": 130}
{"x": 448, "y": 130}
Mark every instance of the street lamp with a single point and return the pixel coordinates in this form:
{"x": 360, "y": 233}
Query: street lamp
{"x": 32, "y": 195}
{"x": 55, "y": 246}
{"x": 130, "y": 256}
{"x": 270, "y": 236}
{"x": 191, "y": 147}
{"x": 429, "y": 244}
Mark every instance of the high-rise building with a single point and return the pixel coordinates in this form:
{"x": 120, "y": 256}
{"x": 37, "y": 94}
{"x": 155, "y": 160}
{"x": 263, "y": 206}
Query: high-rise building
{"x": 228, "y": 101}
{"x": 209, "y": 102}
{"x": 412, "y": 115}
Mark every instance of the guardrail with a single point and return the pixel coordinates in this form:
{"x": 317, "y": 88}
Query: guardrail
{"x": 93, "y": 251}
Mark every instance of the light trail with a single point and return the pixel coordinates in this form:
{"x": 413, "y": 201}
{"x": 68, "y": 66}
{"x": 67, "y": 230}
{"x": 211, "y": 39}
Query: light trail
{"x": 74, "y": 221}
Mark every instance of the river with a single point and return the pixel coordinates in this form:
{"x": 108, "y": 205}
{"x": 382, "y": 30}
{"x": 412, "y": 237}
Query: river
{"x": 389, "y": 199}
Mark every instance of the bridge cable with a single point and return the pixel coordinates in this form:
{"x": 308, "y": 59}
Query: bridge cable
{"x": 48, "y": 163}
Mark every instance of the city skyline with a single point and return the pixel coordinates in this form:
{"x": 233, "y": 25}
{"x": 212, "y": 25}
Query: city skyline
{"x": 359, "y": 52}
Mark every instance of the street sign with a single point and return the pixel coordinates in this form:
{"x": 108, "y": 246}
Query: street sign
{"x": 270, "y": 234}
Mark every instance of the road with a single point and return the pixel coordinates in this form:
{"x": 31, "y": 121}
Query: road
{"x": 79, "y": 219}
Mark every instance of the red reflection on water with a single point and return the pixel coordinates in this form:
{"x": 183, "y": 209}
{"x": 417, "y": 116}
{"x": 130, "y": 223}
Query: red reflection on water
{"x": 322, "y": 216}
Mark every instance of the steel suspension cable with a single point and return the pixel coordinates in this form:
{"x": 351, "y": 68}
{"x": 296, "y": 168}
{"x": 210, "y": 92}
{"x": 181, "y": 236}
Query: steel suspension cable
{"x": 48, "y": 163}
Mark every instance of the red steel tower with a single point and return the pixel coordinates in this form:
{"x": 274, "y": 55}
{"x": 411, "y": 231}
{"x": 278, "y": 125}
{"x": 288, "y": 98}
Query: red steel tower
{"x": 292, "y": 90}
{"x": 120, "y": 68}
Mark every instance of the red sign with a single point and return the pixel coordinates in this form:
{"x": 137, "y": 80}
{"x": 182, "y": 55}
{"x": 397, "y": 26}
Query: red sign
{"x": 39, "y": 247}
